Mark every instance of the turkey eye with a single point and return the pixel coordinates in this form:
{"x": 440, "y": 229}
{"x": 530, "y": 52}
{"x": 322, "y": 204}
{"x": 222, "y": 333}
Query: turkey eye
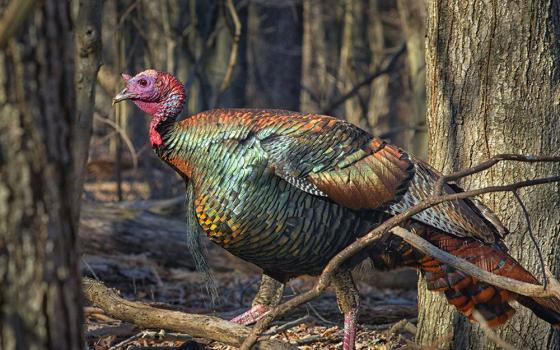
{"x": 142, "y": 82}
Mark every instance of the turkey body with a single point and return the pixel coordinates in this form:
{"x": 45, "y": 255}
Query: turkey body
{"x": 242, "y": 205}
{"x": 287, "y": 191}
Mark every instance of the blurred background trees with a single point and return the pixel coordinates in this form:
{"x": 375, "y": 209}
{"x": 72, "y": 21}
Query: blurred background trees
{"x": 305, "y": 55}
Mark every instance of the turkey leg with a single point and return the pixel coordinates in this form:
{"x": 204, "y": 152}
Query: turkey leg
{"x": 269, "y": 295}
{"x": 348, "y": 300}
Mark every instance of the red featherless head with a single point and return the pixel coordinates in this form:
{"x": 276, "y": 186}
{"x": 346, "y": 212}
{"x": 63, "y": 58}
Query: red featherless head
{"x": 157, "y": 93}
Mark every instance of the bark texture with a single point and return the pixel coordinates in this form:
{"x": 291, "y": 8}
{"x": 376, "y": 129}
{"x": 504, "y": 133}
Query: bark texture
{"x": 40, "y": 284}
{"x": 88, "y": 60}
{"x": 492, "y": 87}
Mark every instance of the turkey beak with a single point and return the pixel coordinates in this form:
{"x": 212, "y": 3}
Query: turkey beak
{"x": 121, "y": 96}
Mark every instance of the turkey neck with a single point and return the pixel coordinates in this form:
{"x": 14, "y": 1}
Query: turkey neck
{"x": 164, "y": 115}
{"x": 165, "y": 130}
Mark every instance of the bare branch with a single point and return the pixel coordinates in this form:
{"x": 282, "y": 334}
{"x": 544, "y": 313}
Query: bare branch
{"x": 14, "y": 17}
{"x": 394, "y": 58}
{"x": 533, "y": 239}
{"x": 146, "y": 316}
{"x": 123, "y": 135}
{"x": 488, "y": 164}
{"x": 515, "y": 286}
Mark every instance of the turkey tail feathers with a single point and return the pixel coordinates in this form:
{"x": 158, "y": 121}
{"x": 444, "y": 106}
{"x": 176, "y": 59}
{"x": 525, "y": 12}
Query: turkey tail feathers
{"x": 461, "y": 290}
{"x": 547, "y": 309}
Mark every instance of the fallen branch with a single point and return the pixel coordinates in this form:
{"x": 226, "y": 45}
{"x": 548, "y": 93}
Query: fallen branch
{"x": 522, "y": 288}
{"x": 146, "y": 316}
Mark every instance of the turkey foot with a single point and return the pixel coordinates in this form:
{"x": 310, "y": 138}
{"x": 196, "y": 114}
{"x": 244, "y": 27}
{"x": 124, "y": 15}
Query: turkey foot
{"x": 350, "y": 326}
{"x": 269, "y": 295}
{"x": 252, "y": 315}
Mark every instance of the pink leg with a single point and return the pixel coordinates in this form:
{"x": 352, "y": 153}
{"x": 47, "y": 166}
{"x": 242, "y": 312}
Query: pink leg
{"x": 252, "y": 315}
{"x": 350, "y": 320}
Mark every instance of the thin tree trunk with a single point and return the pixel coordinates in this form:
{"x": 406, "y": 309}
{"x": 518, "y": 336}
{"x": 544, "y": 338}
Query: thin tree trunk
{"x": 40, "y": 285}
{"x": 274, "y": 54}
{"x": 315, "y": 82}
{"x": 354, "y": 60}
{"x": 413, "y": 17}
{"x": 379, "y": 108}
{"x": 492, "y": 78}
{"x": 88, "y": 61}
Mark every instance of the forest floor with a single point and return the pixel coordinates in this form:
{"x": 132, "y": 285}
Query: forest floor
{"x": 318, "y": 324}
{"x": 321, "y": 326}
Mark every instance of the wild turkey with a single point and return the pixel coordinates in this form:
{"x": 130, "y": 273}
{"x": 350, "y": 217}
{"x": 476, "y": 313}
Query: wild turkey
{"x": 287, "y": 191}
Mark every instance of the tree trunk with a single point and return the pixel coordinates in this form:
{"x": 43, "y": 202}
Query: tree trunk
{"x": 379, "y": 107}
{"x": 40, "y": 285}
{"x": 274, "y": 54}
{"x": 88, "y": 60}
{"x": 493, "y": 88}
{"x": 319, "y": 53}
{"x": 413, "y": 20}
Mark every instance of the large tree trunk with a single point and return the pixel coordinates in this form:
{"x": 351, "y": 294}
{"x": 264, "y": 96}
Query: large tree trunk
{"x": 493, "y": 88}
{"x": 40, "y": 284}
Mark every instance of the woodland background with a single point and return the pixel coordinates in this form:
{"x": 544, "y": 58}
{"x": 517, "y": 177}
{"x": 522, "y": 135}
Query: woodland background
{"x": 490, "y": 86}
{"x": 335, "y": 64}
{"x": 342, "y": 58}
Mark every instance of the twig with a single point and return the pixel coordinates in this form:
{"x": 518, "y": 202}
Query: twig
{"x": 90, "y": 269}
{"x": 379, "y": 72}
{"x": 533, "y": 239}
{"x": 14, "y": 17}
{"x": 403, "y": 324}
{"x": 123, "y": 136}
{"x": 518, "y": 287}
{"x": 126, "y": 341}
{"x": 386, "y": 326}
{"x": 490, "y": 334}
{"x": 288, "y": 325}
{"x": 523, "y": 288}
{"x": 488, "y": 164}
{"x": 313, "y": 309}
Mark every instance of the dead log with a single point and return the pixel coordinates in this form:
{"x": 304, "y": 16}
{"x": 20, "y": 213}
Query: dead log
{"x": 146, "y": 316}
{"x": 119, "y": 230}
{"x": 153, "y": 229}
